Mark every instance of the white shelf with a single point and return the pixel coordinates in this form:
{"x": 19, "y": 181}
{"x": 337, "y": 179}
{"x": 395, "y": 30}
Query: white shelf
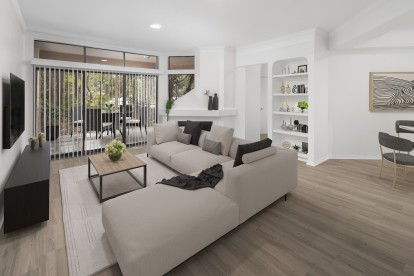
{"x": 290, "y": 95}
{"x": 291, "y": 133}
{"x": 291, "y": 113}
{"x": 291, "y": 75}
{"x": 302, "y": 157}
{"x": 202, "y": 112}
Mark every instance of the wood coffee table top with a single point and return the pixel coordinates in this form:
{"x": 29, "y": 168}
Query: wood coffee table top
{"x": 104, "y": 166}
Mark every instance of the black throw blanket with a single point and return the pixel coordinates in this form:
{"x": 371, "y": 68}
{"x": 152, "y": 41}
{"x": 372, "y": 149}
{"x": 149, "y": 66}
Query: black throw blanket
{"x": 207, "y": 178}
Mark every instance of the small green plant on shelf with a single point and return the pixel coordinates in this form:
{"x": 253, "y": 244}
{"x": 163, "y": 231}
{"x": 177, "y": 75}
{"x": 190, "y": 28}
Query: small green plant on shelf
{"x": 296, "y": 147}
{"x": 303, "y": 105}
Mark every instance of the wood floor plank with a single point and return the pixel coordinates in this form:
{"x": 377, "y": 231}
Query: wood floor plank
{"x": 342, "y": 219}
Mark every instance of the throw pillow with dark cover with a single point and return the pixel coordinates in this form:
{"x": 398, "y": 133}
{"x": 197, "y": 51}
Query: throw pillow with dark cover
{"x": 193, "y": 128}
{"x": 247, "y": 148}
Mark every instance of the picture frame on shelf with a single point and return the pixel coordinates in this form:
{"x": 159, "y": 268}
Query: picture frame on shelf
{"x": 302, "y": 68}
{"x": 390, "y": 91}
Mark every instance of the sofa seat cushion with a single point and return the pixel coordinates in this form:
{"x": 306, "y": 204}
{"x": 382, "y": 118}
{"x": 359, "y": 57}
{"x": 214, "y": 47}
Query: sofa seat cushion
{"x": 154, "y": 229}
{"x": 164, "y": 151}
{"x": 191, "y": 161}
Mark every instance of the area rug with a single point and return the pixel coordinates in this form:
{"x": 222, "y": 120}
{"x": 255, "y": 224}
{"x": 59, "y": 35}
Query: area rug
{"x": 87, "y": 247}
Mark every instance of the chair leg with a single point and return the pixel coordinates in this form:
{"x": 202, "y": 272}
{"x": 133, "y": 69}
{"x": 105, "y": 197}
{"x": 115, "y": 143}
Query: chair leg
{"x": 382, "y": 164}
{"x": 395, "y": 175}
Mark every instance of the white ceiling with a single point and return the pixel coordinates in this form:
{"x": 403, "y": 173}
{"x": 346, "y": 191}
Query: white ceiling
{"x": 186, "y": 23}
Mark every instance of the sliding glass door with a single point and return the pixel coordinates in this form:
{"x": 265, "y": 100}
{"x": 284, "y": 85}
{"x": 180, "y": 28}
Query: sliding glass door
{"x": 80, "y": 111}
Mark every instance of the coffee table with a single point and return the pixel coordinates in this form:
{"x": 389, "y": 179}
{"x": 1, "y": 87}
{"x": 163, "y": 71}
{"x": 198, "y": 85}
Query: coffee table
{"x": 104, "y": 167}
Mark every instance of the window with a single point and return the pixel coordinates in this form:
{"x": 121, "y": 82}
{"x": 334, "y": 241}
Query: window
{"x": 180, "y": 84}
{"x": 56, "y": 51}
{"x": 140, "y": 61}
{"x": 75, "y": 53}
{"x": 99, "y": 56}
{"x": 181, "y": 63}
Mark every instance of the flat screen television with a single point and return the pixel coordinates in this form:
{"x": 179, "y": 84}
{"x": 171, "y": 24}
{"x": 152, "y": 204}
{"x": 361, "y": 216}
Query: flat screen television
{"x": 13, "y": 111}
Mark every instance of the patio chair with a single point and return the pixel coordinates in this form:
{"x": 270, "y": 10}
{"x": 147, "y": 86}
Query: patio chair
{"x": 77, "y": 118}
{"x": 94, "y": 122}
{"x": 397, "y": 158}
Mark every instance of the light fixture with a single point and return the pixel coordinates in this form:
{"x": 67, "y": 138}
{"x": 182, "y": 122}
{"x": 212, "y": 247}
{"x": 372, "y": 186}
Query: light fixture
{"x": 104, "y": 60}
{"x": 155, "y": 26}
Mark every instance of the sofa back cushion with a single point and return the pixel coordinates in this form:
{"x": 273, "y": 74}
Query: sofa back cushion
{"x": 203, "y": 136}
{"x": 258, "y": 155}
{"x": 166, "y": 132}
{"x": 234, "y": 146}
{"x": 221, "y": 134}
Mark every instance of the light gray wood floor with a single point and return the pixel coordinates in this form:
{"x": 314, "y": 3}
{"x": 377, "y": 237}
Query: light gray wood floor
{"x": 340, "y": 220}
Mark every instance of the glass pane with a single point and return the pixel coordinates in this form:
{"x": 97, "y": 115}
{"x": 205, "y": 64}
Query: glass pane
{"x": 140, "y": 61}
{"x": 99, "y": 56}
{"x": 179, "y": 85}
{"x": 181, "y": 63}
{"x": 56, "y": 51}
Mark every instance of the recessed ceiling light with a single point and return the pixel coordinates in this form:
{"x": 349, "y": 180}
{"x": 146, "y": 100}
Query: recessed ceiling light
{"x": 155, "y": 26}
{"x": 104, "y": 60}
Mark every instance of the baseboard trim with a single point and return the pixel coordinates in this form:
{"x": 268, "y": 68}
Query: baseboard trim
{"x": 355, "y": 157}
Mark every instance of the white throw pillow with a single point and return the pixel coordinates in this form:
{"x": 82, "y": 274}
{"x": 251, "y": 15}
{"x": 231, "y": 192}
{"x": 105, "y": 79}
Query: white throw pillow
{"x": 223, "y": 135}
{"x": 166, "y": 132}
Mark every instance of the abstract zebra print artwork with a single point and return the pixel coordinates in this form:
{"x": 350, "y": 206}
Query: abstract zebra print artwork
{"x": 391, "y": 91}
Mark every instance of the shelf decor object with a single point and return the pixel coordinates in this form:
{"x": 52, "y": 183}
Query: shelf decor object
{"x": 391, "y": 91}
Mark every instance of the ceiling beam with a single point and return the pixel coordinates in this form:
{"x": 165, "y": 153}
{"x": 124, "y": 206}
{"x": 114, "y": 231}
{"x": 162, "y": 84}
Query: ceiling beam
{"x": 377, "y": 19}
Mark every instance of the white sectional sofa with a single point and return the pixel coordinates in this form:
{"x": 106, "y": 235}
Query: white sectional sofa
{"x": 156, "y": 228}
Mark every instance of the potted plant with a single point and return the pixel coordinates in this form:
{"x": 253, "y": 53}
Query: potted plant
{"x": 303, "y": 105}
{"x": 115, "y": 149}
{"x": 168, "y": 105}
{"x": 296, "y": 147}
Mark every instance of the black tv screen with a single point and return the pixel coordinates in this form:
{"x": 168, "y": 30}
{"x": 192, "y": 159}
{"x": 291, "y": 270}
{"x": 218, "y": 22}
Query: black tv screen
{"x": 13, "y": 111}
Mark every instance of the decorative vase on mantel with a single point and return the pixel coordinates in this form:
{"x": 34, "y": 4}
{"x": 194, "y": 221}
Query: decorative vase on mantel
{"x": 215, "y": 102}
{"x": 210, "y": 102}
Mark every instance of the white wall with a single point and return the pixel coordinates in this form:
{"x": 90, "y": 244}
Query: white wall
{"x": 252, "y": 107}
{"x": 11, "y": 51}
{"x": 353, "y": 128}
{"x": 263, "y": 99}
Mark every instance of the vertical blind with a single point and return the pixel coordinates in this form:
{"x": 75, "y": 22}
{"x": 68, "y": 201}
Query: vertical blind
{"x": 80, "y": 111}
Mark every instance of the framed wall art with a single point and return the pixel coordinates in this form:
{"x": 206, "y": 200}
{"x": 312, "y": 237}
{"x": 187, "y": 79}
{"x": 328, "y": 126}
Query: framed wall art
{"x": 391, "y": 91}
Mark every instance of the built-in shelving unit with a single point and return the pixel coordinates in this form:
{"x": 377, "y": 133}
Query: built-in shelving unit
{"x": 285, "y": 75}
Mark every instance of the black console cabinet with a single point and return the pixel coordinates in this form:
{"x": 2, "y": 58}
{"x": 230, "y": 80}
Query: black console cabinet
{"x": 26, "y": 193}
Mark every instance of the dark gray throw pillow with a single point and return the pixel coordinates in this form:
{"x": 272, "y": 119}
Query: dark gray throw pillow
{"x": 193, "y": 128}
{"x": 183, "y": 138}
{"x": 247, "y": 148}
{"x": 212, "y": 146}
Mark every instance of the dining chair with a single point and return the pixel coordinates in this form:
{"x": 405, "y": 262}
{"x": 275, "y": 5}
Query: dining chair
{"x": 397, "y": 158}
{"x": 400, "y": 124}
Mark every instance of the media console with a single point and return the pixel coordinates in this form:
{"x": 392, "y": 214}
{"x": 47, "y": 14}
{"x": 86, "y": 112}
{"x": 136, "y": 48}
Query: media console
{"x": 26, "y": 193}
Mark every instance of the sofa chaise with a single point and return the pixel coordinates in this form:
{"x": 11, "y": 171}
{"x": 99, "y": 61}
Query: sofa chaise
{"x": 154, "y": 229}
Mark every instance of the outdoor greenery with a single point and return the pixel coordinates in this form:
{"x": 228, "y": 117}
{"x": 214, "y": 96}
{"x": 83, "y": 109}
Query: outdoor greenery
{"x": 60, "y": 91}
{"x": 179, "y": 85}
